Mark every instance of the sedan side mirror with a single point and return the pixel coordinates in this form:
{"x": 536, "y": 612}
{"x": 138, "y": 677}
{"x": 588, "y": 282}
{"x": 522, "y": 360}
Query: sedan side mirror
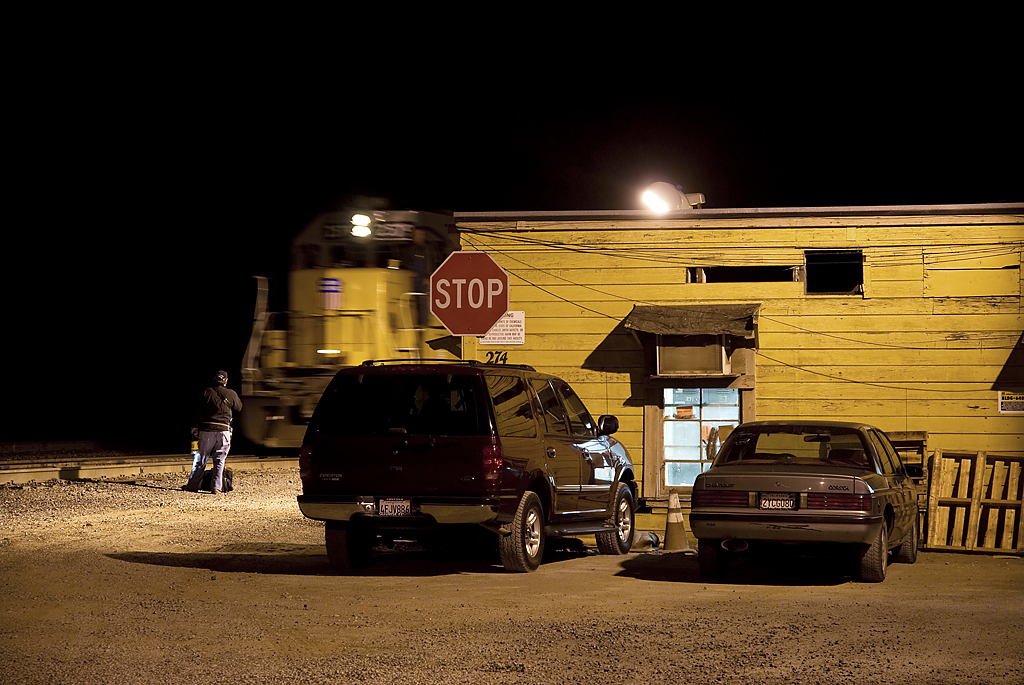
{"x": 914, "y": 470}
{"x": 607, "y": 424}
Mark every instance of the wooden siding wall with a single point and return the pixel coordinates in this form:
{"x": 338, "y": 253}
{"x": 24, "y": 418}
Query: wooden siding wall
{"x": 919, "y": 350}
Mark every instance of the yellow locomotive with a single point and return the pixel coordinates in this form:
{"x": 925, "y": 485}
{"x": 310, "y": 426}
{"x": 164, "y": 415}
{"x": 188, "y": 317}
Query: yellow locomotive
{"x": 357, "y": 290}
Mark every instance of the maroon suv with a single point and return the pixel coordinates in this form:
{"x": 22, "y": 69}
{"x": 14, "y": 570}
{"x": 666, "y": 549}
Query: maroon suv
{"x": 409, "y": 450}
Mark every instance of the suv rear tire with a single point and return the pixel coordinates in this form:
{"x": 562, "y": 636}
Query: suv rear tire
{"x": 620, "y": 540}
{"x": 348, "y": 549}
{"x": 521, "y": 550}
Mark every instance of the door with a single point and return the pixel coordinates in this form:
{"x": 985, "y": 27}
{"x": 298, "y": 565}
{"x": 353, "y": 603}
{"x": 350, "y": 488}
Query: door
{"x": 904, "y": 499}
{"x": 561, "y": 450}
{"x": 597, "y": 472}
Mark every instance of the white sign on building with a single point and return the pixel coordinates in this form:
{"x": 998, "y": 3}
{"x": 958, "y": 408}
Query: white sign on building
{"x": 1011, "y": 402}
{"x": 510, "y": 329}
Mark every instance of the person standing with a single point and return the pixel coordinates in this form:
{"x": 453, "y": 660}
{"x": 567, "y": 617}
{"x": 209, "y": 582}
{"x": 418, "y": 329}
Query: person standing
{"x": 212, "y": 427}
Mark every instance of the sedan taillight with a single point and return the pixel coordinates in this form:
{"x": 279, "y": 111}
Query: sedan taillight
{"x": 719, "y": 498}
{"x": 834, "y": 500}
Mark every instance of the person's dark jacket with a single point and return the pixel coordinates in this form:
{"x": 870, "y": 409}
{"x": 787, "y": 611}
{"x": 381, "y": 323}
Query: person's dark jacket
{"x": 216, "y": 409}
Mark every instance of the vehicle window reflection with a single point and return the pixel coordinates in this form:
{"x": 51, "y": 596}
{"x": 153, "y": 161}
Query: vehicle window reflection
{"x": 554, "y": 414}
{"x": 580, "y": 421}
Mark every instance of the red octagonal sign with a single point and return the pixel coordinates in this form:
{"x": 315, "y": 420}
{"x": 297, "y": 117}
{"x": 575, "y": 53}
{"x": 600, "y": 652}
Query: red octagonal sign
{"x": 469, "y": 293}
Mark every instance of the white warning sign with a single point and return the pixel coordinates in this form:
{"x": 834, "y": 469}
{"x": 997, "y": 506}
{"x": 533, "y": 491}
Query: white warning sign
{"x": 510, "y": 329}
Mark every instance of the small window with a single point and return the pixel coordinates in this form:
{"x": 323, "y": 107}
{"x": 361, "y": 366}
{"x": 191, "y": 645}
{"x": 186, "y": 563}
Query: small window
{"x": 694, "y": 355}
{"x": 747, "y": 274}
{"x": 835, "y": 272}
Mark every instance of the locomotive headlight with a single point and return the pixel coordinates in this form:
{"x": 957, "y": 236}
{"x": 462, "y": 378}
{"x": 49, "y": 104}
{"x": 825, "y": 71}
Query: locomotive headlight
{"x": 360, "y": 225}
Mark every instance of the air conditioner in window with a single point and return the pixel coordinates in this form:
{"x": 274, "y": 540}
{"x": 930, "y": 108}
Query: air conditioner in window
{"x": 703, "y": 356}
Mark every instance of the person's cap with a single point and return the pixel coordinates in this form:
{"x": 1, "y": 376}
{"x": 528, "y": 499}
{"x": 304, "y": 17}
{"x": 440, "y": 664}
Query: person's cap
{"x": 221, "y": 377}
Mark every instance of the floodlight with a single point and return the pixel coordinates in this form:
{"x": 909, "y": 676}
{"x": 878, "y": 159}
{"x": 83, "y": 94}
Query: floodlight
{"x": 664, "y": 197}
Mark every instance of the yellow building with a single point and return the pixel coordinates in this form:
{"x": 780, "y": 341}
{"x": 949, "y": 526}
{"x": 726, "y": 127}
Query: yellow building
{"x": 908, "y": 318}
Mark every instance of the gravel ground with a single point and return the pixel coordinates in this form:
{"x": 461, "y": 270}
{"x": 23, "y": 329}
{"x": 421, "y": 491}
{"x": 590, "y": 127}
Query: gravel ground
{"x": 135, "y": 581}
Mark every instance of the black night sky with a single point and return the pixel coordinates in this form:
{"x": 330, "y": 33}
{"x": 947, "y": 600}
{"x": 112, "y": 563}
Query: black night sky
{"x": 155, "y": 175}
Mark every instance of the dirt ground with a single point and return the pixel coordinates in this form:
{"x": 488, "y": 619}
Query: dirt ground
{"x": 139, "y": 582}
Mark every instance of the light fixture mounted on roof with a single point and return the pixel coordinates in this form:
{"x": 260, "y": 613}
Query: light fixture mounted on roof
{"x": 664, "y": 197}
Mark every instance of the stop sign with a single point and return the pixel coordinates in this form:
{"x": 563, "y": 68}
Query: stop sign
{"x": 468, "y": 293}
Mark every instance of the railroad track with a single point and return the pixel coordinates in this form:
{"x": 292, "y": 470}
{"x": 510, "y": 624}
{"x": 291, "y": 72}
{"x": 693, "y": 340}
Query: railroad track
{"x": 28, "y": 467}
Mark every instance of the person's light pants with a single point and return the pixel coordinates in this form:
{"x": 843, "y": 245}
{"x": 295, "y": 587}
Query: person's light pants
{"x": 211, "y": 444}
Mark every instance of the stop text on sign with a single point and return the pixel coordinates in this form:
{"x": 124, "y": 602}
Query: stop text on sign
{"x": 476, "y": 292}
{"x": 468, "y": 293}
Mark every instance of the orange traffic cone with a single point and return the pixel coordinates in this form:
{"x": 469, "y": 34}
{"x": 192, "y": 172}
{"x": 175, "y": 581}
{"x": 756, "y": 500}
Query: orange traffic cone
{"x": 675, "y": 531}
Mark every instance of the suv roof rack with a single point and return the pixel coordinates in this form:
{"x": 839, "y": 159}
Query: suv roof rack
{"x": 466, "y": 362}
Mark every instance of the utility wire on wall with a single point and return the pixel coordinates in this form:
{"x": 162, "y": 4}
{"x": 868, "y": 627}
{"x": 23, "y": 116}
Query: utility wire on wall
{"x": 619, "y": 297}
{"x": 477, "y": 246}
{"x": 904, "y": 255}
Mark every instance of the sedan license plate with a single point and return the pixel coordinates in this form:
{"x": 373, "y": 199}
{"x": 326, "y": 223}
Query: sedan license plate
{"x": 778, "y": 500}
{"x": 394, "y": 507}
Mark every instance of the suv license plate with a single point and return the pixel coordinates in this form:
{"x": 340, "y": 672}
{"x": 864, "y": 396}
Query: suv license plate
{"x": 778, "y": 500}
{"x": 394, "y": 507}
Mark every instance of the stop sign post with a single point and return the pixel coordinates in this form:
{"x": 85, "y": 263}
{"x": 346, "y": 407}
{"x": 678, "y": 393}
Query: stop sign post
{"x": 469, "y": 293}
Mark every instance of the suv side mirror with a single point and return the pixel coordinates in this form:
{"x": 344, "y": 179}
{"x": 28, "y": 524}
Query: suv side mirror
{"x": 607, "y": 424}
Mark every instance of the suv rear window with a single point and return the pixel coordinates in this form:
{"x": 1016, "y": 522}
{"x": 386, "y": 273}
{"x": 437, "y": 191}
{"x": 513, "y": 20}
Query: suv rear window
{"x": 427, "y": 404}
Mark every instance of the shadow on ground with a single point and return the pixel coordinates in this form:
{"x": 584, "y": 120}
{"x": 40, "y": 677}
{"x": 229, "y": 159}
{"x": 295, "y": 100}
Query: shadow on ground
{"x": 754, "y": 568}
{"x": 401, "y": 559}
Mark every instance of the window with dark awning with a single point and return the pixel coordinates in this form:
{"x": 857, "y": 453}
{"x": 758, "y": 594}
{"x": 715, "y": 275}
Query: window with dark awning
{"x": 739, "y": 320}
{"x": 694, "y": 340}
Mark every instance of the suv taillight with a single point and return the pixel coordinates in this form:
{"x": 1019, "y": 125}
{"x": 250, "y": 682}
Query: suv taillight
{"x": 492, "y": 461}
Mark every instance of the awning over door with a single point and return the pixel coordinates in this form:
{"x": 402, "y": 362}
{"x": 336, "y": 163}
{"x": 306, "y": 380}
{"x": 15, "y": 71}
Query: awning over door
{"x": 739, "y": 320}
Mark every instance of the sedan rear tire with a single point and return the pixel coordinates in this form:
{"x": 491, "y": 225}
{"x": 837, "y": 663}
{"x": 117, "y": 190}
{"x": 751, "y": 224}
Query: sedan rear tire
{"x": 907, "y": 552}
{"x": 711, "y": 558}
{"x": 874, "y": 560}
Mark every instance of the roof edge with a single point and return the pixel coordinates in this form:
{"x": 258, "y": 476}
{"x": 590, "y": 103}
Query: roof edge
{"x": 644, "y": 214}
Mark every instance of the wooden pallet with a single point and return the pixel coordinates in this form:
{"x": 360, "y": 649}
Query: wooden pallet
{"x": 976, "y": 502}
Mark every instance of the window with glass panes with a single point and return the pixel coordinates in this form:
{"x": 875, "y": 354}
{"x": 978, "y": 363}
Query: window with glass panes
{"x": 692, "y": 420}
